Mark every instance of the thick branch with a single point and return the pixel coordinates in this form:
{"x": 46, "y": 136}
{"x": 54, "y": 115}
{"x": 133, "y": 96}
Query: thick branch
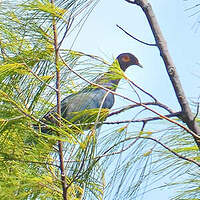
{"x": 187, "y": 115}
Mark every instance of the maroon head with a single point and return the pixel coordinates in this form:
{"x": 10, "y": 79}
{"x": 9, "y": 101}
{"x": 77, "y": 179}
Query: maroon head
{"x": 127, "y": 59}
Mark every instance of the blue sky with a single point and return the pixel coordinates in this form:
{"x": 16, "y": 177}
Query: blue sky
{"x": 101, "y": 37}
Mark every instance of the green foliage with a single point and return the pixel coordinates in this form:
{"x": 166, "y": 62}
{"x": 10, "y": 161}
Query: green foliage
{"x": 24, "y": 169}
{"x": 116, "y": 71}
{"x": 89, "y": 118}
{"x": 45, "y": 6}
{"x": 29, "y": 161}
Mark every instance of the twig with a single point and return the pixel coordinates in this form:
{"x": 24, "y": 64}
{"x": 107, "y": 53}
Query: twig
{"x": 36, "y": 76}
{"x": 176, "y": 154}
{"x": 145, "y": 103}
{"x": 149, "y": 44}
{"x": 147, "y": 93}
{"x": 105, "y": 154}
{"x": 69, "y": 24}
{"x": 144, "y": 120}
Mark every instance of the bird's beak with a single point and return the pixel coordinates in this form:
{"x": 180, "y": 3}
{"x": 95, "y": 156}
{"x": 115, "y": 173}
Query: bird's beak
{"x": 139, "y": 65}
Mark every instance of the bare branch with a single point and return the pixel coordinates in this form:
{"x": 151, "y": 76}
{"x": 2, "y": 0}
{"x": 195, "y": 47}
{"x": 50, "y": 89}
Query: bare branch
{"x": 147, "y": 93}
{"x": 176, "y": 154}
{"x": 140, "y": 100}
{"x": 105, "y": 154}
{"x": 187, "y": 115}
{"x": 149, "y": 44}
{"x": 144, "y": 120}
{"x": 69, "y": 24}
{"x": 145, "y": 103}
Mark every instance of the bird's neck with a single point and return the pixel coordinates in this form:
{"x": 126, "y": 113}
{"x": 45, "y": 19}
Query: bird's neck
{"x": 109, "y": 81}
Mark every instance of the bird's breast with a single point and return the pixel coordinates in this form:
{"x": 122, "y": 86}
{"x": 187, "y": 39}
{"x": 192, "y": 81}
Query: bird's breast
{"x": 108, "y": 100}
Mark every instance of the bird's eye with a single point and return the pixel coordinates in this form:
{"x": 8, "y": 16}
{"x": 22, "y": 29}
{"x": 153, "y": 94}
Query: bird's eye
{"x": 126, "y": 59}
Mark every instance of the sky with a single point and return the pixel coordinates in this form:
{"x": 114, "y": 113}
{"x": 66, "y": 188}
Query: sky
{"x": 101, "y": 37}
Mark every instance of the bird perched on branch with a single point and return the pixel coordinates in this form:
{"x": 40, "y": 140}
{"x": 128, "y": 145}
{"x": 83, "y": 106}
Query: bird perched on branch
{"x": 84, "y": 106}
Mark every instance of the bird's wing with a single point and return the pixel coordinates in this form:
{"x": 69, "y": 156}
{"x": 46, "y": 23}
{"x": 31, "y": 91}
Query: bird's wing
{"x": 83, "y": 100}
{"x": 87, "y": 100}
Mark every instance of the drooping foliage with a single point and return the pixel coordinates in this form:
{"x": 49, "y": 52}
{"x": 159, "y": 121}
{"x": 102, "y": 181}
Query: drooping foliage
{"x": 117, "y": 161}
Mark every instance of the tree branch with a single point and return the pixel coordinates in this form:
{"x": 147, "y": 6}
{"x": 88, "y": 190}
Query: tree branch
{"x": 69, "y": 24}
{"x": 187, "y": 115}
{"x": 138, "y": 87}
{"x": 149, "y": 44}
{"x": 145, "y": 103}
{"x": 173, "y": 152}
{"x": 60, "y": 144}
{"x": 105, "y": 154}
{"x": 144, "y": 120}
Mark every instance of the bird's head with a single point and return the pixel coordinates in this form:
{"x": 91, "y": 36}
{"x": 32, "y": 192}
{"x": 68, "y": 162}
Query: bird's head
{"x": 127, "y": 59}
